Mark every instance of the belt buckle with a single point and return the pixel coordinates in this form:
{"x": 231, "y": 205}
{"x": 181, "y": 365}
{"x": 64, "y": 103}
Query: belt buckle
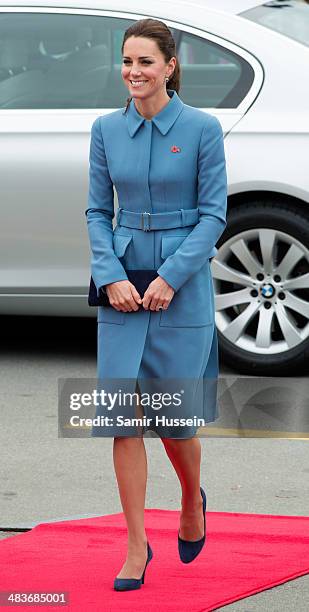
{"x": 145, "y": 229}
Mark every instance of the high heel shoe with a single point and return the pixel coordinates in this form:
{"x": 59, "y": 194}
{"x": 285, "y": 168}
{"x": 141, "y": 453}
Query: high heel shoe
{"x": 129, "y": 584}
{"x": 188, "y": 550}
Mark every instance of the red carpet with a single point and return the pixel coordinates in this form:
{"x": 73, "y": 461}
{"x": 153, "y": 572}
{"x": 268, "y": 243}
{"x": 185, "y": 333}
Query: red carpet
{"x": 243, "y": 554}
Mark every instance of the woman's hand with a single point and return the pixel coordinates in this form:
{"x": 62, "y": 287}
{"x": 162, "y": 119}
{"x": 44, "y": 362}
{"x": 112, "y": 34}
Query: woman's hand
{"x": 123, "y": 296}
{"x": 158, "y": 293}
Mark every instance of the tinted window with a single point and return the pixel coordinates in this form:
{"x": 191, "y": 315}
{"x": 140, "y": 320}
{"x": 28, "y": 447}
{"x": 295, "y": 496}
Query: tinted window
{"x": 61, "y": 61}
{"x": 289, "y": 18}
{"x": 52, "y": 61}
{"x": 212, "y": 76}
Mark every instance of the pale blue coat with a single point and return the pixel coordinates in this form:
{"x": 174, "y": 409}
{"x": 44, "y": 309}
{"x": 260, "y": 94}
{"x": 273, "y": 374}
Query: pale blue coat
{"x": 134, "y": 154}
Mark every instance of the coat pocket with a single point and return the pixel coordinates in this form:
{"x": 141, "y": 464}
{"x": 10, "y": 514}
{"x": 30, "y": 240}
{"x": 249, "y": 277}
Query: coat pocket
{"x": 193, "y": 304}
{"x": 121, "y": 243}
{"x": 108, "y": 314}
{"x": 169, "y": 244}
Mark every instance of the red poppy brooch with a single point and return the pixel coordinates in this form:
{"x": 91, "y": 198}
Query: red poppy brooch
{"x": 175, "y": 149}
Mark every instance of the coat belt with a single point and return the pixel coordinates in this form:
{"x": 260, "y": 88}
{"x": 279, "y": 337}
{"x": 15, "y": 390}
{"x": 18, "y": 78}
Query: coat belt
{"x": 156, "y": 221}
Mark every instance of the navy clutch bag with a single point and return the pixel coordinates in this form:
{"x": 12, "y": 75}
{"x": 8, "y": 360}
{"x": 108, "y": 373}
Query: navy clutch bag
{"x": 139, "y": 278}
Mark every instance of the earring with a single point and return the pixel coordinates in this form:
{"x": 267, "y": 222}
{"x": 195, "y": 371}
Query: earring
{"x": 167, "y": 79}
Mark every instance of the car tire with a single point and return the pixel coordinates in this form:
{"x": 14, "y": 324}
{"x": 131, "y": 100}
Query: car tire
{"x": 274, "y": 342}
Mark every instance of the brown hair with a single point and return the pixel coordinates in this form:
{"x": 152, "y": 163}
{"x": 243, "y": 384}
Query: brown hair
{"x": 158, "y": 31}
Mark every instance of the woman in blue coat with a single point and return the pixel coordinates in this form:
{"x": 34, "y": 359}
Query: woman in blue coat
{"x": 166, "y": 160}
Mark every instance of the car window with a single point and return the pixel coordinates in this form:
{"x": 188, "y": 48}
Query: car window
{"x": 53, "y": 61}
{"x": 212, "y": 76}
{"x": 290, "y": 18}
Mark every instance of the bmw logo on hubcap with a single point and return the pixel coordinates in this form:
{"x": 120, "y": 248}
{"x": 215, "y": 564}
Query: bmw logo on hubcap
{"x": 267, "y": 291}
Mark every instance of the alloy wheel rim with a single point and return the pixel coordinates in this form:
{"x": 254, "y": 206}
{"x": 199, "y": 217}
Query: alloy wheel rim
{"x": 261, "y": 284}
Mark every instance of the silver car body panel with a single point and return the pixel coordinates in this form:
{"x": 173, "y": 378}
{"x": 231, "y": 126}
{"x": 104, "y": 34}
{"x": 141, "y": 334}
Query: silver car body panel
{"x": 45, "y": 258}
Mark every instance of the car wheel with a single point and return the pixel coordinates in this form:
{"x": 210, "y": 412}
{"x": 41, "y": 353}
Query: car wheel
{"x": 261, "y": 283}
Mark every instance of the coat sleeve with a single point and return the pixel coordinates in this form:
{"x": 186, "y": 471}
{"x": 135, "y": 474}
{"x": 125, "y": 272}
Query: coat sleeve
{"x": 105, "y": 265}
{"x": 196, "y": 248}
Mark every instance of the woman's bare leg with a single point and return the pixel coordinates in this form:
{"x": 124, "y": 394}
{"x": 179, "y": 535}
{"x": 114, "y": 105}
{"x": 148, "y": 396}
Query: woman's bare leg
{"x": 185, "y": 456}
{"x": 130, "y": 463}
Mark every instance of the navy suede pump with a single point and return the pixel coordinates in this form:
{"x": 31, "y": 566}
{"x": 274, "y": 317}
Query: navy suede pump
{"x": 188, "y": 550}
{"x": 130, "y": 584}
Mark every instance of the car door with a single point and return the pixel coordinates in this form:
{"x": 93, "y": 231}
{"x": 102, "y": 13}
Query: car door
{"x": 58, "y": 72}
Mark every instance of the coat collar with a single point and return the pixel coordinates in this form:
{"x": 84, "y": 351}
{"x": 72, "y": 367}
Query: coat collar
{"x": 163, "y": 120}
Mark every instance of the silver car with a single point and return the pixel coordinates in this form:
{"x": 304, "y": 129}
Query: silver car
{"x": 247, "y": 64}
